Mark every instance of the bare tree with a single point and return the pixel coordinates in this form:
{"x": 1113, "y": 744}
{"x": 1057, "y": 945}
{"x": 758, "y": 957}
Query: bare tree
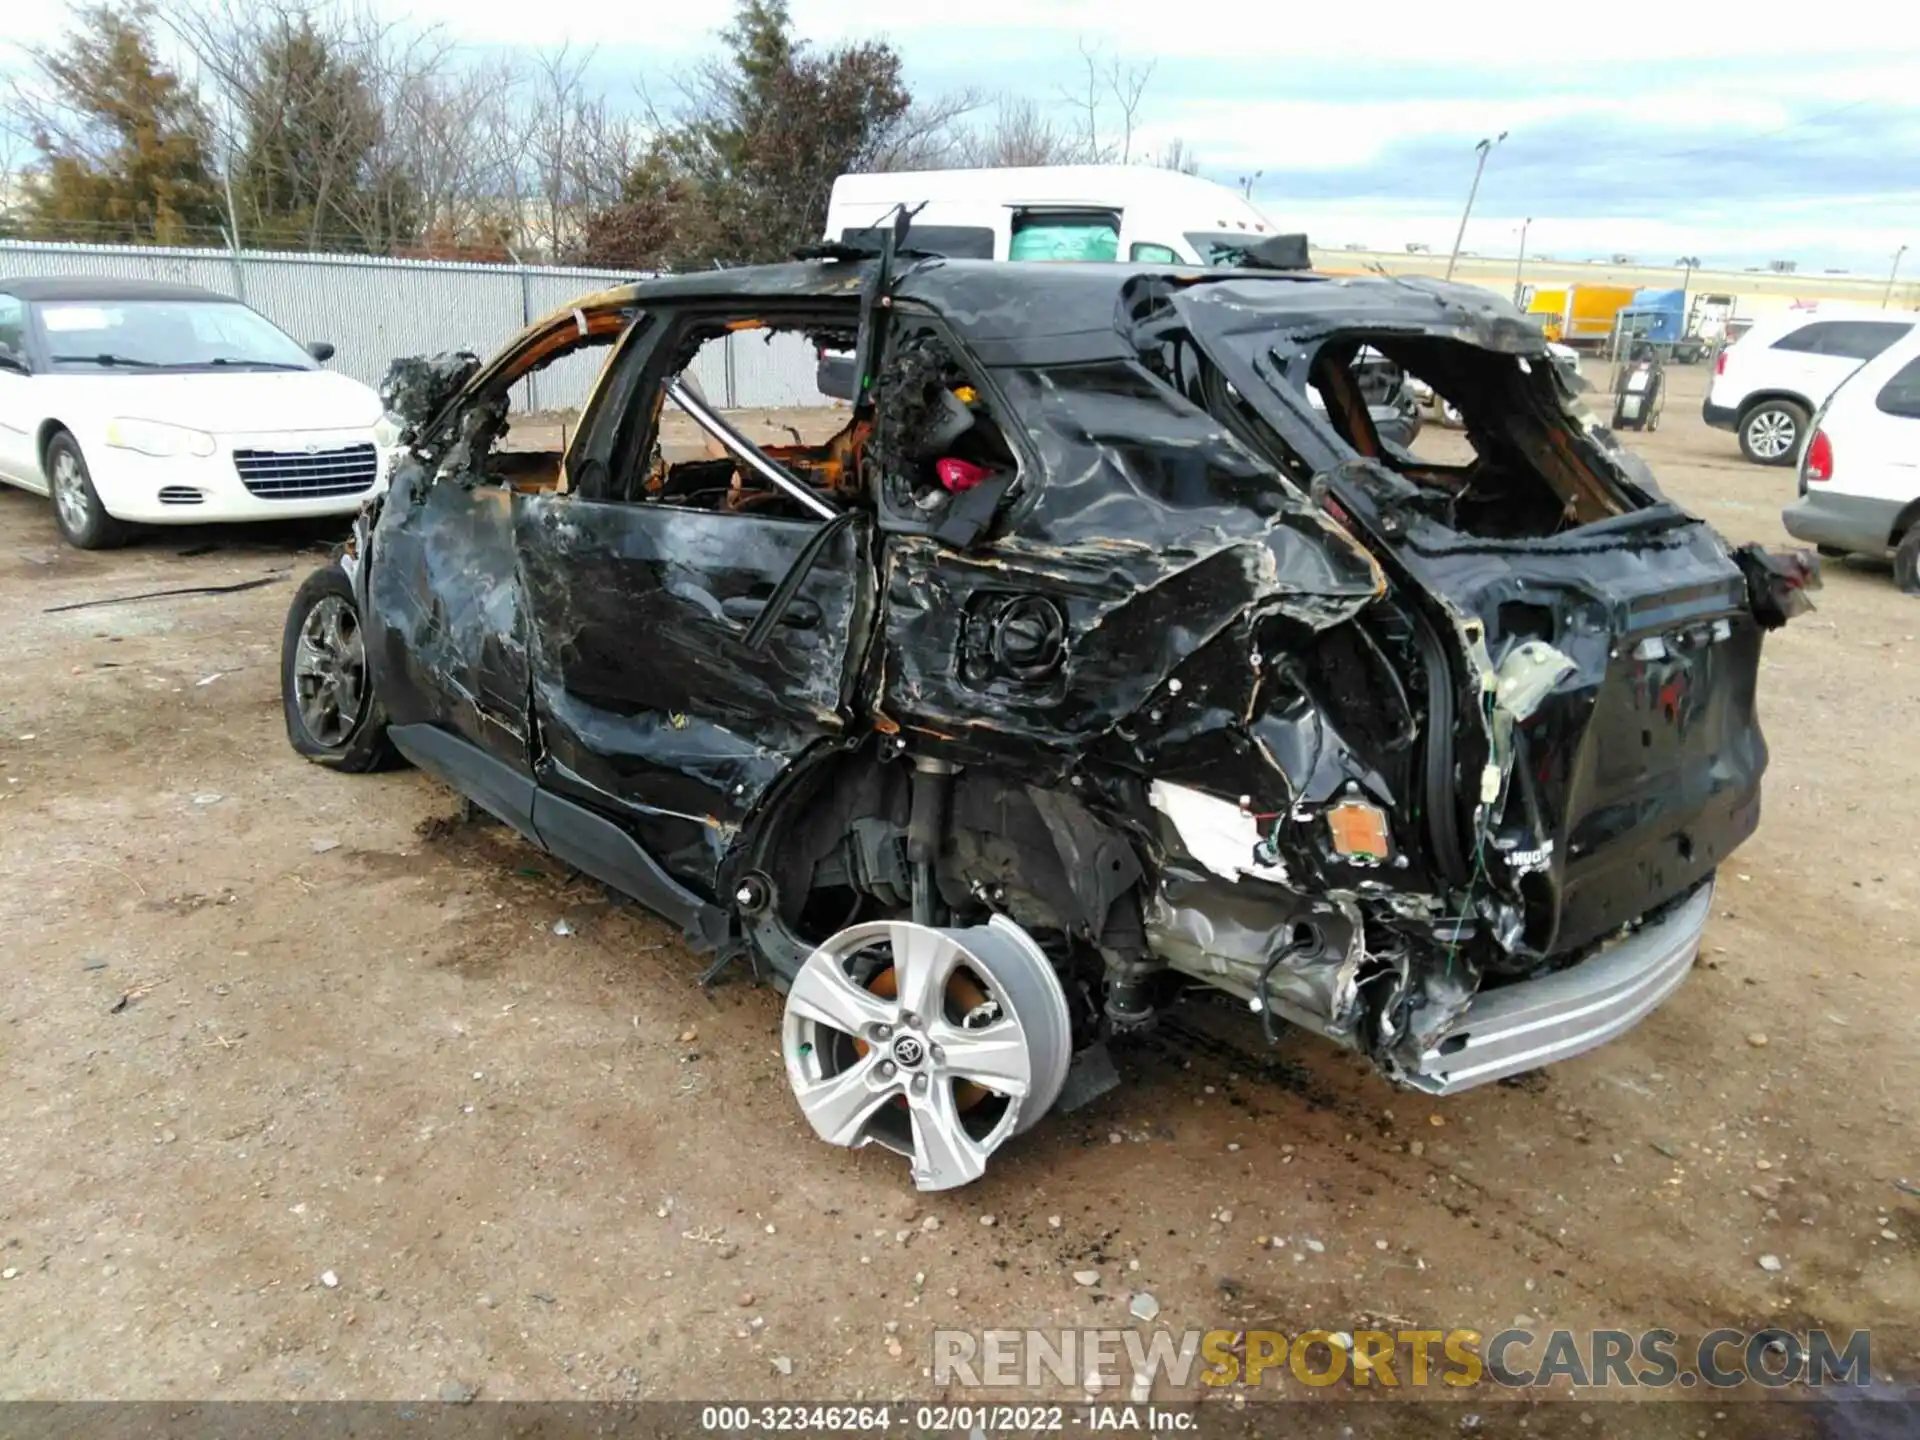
{"x": 441, "y": 128}
{"x": 13, "y": 148}
{"x": 1094, "y": 124}
{"x": 1108, "y": 83}
{"x": 316, "y": 102}
{"x": 1176, "y": 154}
{"x": 1020, "y": 133}
{"x": 930, "y": 136}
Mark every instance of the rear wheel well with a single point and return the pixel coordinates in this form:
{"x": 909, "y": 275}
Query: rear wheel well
{"x": 1755, "y": 401}
{"x": 1903, "y": 522}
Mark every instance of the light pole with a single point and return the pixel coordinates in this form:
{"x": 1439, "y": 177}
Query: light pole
{"x": 1520, "y": 263}
{"x": 1892, "y": 275}
{"x": 1484, "y": 148}
{"x": 1688, "y": 264}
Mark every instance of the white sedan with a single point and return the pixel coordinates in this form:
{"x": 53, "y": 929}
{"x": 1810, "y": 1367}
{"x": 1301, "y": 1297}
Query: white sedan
{"x": 133, "y": 402}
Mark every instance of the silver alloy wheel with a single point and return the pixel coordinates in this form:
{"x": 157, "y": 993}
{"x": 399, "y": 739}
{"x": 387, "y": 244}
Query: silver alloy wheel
{"x": 330, "y": 672}
{"x": 70, "y": 492}
{"x": 970, "y": 1048}
{"x": 1771, "y": 434}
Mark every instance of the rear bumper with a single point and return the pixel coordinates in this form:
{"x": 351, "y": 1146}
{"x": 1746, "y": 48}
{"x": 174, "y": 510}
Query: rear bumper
{"x": 1846, "y": 522}
{"x": 1720, "y": 417}
{"x": 1537, "y": 1022}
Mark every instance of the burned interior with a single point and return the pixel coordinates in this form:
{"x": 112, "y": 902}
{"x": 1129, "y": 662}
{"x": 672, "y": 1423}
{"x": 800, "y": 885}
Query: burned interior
{"x": 1108, "y": 649}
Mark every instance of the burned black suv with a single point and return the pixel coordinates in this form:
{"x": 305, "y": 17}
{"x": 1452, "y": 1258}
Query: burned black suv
{"x": 1107, "y": 648}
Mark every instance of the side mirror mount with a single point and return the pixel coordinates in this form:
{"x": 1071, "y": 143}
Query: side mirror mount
{"x": 12, "y": 359}
{"x": 417, "y": 388}
{"x": 321, "y": 350}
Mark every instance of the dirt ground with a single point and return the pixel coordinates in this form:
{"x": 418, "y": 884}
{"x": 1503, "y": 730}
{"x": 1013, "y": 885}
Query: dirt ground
{"x": 308, "y": 1094}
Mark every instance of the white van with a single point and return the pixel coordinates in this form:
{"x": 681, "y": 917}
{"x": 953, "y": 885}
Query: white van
{"x": 1768, "y": 383}
{"x": 1860, "y": 469}
{"x": 1056, "y": 212}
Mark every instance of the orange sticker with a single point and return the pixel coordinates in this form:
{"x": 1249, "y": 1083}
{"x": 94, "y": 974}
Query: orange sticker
{"x": 1359, "y": 830}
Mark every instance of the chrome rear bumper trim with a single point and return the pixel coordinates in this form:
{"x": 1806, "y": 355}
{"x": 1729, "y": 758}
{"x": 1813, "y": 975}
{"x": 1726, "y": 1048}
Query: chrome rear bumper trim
{"x": 1536, "y": 1022}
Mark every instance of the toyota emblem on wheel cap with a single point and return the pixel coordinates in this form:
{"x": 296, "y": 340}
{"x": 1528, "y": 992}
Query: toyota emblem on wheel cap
{"x": 908, "y": 1051}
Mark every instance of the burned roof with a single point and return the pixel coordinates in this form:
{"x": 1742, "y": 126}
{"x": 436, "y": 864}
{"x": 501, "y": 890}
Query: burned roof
{"x": 1032, "y": 312}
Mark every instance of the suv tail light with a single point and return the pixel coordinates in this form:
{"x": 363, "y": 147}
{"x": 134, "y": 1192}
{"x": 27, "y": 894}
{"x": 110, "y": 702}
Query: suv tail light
{"x": 1720, "y": 362}
{"x": 1819, "y": 461}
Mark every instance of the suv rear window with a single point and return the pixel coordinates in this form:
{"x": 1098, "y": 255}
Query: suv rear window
{"x": 1901, "y": 394}
{"x": 1849, "y": 339}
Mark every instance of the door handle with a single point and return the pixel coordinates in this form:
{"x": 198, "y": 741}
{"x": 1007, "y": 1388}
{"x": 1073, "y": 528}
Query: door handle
{"x": 744, "y": 610}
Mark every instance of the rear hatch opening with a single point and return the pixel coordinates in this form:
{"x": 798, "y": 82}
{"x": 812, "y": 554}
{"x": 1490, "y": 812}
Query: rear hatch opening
{"x": 1632, "y": 765}
{"x": 1586, "y": 689}
{"x": 1521, "y": 468}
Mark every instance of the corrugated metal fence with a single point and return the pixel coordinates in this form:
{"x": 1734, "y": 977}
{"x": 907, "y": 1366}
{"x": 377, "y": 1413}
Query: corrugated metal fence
{"x": 372, "y": 309}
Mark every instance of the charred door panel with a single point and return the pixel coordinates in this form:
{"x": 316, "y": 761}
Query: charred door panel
{"x": 450, "y": 636}
{"x": 649, "y": 703}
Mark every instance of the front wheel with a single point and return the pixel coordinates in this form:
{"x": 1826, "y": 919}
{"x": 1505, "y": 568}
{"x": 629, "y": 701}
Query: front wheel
{"x": 83, "y": 521}
{"x": 1770, "y": 432}
{"x": 326, "y": 691}
{"x": 1906, "y": 563}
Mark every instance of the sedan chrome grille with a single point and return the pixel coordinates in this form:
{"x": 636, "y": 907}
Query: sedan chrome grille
{"x": 307, "y": 475}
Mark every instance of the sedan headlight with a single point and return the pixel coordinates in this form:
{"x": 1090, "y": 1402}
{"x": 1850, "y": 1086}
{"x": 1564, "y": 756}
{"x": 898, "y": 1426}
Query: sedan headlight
{"x": 386, "y": 432}
{"x": 151, "y": 437}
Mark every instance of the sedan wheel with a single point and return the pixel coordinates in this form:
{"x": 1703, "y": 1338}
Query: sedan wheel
{"x": 83, "y": 521}
{"x": 70, "y": 492}
{"x": 939, "y": 1044}
{"x": 330, "y": 672}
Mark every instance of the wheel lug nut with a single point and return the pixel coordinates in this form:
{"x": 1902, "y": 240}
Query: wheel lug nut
{"x": 883, "y": 1032}
{"x": 886, "y": 1068}
{"x": 919, "y": 1084}
{"x": 938, "y": 1053}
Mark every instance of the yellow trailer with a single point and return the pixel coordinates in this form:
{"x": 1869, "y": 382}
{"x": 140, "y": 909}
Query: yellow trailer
{"x": 1579, "y": 314}
{"x": 1548, "y": 306}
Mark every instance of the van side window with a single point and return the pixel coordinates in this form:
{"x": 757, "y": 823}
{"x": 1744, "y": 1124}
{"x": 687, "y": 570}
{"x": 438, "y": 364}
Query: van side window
{"x": 1153, "y": 254}
{"x": 956, "y": 242}
{"x": 1065, "y": 235}
{"x": 1901, "y": 394}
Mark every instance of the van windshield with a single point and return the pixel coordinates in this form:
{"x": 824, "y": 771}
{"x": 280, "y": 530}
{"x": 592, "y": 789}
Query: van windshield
{"x": 1224, "y": 248}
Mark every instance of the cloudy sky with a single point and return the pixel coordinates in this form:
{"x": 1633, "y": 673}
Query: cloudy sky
{"x": 1652, "y": 131}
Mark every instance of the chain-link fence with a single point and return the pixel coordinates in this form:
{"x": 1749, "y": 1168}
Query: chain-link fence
{"x": 372, "y": 309}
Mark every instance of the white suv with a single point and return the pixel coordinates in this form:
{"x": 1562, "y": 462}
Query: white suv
{"x": 1860, "y": 470}
{"x": 1768, "y": 383}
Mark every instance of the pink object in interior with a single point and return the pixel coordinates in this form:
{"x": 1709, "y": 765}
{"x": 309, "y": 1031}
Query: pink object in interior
{"x": 958, "y": 475}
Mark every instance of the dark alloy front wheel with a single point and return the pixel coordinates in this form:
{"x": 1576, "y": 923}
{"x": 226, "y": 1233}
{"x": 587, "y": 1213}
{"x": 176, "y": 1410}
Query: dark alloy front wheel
{"x": 326, "y": 691}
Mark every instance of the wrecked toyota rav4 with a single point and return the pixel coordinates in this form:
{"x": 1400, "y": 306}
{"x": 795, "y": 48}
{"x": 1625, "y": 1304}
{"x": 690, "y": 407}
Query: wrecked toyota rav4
{"x": 1105, "y": 651}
